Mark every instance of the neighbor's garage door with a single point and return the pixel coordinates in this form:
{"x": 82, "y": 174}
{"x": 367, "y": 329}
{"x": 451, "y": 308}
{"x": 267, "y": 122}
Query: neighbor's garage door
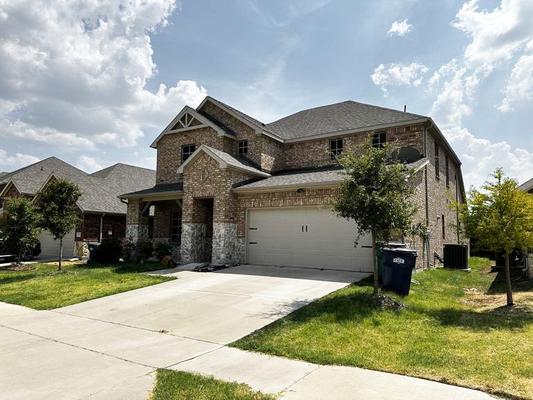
{"x": 312, "y": 238}
{"x": 50, "y": 247}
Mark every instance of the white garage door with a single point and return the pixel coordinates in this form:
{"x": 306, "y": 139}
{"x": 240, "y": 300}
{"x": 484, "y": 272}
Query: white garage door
{"x": 50, "y": 247}
{"x": 312, "y": 238}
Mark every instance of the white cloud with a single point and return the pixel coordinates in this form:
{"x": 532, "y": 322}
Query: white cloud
{"x": 18, "y": 160}
{"x": 75, "y": 72}
{"x": 519, "y": 85}
{"x": 88, "y": 164}
{"x": 497, "y": 35}
{"x": 481, "y": 157}
{"x": 400, "y": 28}
{"x": 398, "y": 75}
{"x": 450, "y": 86}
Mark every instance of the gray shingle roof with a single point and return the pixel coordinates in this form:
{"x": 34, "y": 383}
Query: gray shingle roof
{"x": 304, "y": 178}
{"x": 244, "y": 116}
{"x": 31, "y": 178}
{"x": 526, "y": 186}
{"x": 157, "y": 189}
{"x": 100, "y": 190}
{"x": 338, "y": 117}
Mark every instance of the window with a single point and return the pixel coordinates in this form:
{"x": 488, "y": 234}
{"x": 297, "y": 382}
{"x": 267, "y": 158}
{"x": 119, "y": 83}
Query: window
{"x": 242, "y": 147}
{"x": 175, "y": 227}
{"x": 437, "y": 166}
{"x": 447, "y": 166}
{"x": 186, "y": 151}
{"x": 443, "y": 227}
{"x": 379, "y": 140}
{"x": 335, "y": 148}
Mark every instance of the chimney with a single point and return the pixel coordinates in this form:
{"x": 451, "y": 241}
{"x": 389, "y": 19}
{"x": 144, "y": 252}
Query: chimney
{"x": 405, "y": 108}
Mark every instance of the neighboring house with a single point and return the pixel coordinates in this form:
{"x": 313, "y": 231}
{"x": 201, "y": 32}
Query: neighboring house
{"x": 101, "y": 212}
{"x": 231, "y": 189}
{"x": 527, "y": 186}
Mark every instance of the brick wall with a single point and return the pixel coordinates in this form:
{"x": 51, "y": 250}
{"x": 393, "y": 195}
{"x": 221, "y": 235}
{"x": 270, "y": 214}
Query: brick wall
{"x": 205, "y": 179}
{"x": 169, "y": 150}
{"x": 163, "y": 218}
{"x": 316, "y": 152}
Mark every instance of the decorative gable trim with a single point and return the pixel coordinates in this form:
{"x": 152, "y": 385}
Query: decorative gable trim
{"x": 189, "y": 119}
{"x": 221, "y": 162}
{"x": 48, "y": 180}
{"x": 10, "y": 183}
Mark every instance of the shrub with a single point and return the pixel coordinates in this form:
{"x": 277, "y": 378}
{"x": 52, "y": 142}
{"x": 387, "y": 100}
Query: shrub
{"x": 128, "y": 251}
{"x": 145, "y": 249}
{"x": 109, "y": 251}
{"x": 162, "y": 249}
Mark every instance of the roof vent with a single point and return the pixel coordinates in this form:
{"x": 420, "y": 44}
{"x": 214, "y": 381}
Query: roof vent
{"x": 404, "y": 107}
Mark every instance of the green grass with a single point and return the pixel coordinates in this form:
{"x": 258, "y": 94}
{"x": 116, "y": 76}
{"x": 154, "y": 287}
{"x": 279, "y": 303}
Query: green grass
{"x": 44, "y": 288}
{"x": 447, "y": 333}
{"x": 176, "y": 385}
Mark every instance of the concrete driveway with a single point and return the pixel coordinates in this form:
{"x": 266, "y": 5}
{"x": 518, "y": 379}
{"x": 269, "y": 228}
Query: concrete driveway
{"x": 109, "y": 348}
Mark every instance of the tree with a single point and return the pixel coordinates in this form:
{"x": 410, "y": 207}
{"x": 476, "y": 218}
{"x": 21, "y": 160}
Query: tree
{"x": 57, "y": 205}
{"x": 21, "y": 226}
{"x": 376, "y": 194}
{"x": 500, "y": 217}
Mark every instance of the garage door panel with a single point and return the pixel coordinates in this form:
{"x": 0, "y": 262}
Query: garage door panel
{"x": 326, "y": 241}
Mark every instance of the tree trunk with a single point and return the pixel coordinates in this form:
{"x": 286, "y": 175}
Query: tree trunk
{"x": 375, "y": 261}
{"x": 508, "y": 280}
{"x": 60, "y": 253}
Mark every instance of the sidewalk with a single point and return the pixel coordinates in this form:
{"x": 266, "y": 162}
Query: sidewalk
{"x": 300, "y": 380}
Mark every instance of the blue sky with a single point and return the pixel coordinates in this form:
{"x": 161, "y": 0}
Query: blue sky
{"x": 93, "y": 82}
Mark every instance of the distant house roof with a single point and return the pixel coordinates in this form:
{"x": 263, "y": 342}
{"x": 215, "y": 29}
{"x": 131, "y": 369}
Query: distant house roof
{"x": 31, "y": 178}
{"x": 527, "y": 186}
{"x": 100, "y": 190}
{"x": 339, "y": 117}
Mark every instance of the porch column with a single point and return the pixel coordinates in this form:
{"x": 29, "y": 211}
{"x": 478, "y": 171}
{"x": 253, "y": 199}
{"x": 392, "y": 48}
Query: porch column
{"x": 137, "y": 221}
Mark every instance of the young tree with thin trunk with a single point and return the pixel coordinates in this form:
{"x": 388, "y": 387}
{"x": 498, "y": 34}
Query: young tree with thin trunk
{"x": 57, "y": 204}
{"x": 376, "y": 194}
{"x": 500, "y": 217}
{"x": 21, "y": 226}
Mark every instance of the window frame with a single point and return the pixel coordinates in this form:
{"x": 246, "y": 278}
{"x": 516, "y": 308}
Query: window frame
{"x": 447, "y": 166}
{"x": 334, "y": 149}
{"x": 175, "y": 224}
{"x": 242, "y": 147}
{"x": 377, "y": 141}
{"x": 186, "y": 154}
{"x": 443, "y": 227}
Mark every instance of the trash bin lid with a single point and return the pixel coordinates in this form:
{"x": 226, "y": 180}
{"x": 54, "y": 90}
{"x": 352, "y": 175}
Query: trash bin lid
{"x": 401, "y": 250}
{"x": 395, "y": 245}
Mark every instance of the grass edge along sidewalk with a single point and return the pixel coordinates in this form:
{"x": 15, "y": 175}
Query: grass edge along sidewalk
{"x": 454, "y": 330}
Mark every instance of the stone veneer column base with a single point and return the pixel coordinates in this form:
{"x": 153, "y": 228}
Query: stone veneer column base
{"x": 193, "y": 243}
{"x": 136, "y": 233}
{"x": 226, "y": 246}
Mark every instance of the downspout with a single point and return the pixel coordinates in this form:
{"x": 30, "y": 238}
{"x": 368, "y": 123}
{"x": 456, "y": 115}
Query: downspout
{"x": 457, "y": 208}
{"x": 101, "y": 226}
{"x": 426, "y": 236}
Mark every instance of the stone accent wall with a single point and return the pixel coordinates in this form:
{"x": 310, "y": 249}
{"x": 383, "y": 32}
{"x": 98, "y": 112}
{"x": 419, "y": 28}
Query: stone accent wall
{"x": 193, "y": 244}
{"x": 224, "y": 244}
{"x": 136, "y": 224}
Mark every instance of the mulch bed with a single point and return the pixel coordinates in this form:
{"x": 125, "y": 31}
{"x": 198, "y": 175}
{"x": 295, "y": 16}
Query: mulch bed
{"x": 18, "y": 267}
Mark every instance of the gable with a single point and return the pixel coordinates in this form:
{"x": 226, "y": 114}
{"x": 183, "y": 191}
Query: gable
{"x": 189, "y": 119}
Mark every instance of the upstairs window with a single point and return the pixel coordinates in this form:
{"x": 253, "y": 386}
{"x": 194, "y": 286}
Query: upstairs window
{"x": 437, "y": 163}
{"x": 186, "y": 151}
{"x": 335, "y": 148}
{"x": 379, "y": 140}
{"x": 242, "y": 147}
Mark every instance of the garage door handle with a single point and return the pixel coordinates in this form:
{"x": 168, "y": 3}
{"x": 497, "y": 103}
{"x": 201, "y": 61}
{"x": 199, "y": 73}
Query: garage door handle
{"x": 367, "y": 247}
{"x": 306, "y": 228}
{"x": 253, "y": 242}
{"x": 253, "y": 229}
{"x": 302, "y": 228}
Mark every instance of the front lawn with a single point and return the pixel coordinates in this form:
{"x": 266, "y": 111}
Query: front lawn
{"x": 454, "y": 330}
{"x": 44, "y": 288}
{"x": 176, "y": 385}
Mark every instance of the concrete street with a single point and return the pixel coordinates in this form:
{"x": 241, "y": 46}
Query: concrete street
{"x": 109, "y": 348}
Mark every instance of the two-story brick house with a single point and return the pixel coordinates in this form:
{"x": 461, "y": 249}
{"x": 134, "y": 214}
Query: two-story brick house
{"x": 231, "y": 189}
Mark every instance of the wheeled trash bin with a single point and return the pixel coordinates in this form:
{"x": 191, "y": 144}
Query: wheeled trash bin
{"x": 398, "y": 265}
